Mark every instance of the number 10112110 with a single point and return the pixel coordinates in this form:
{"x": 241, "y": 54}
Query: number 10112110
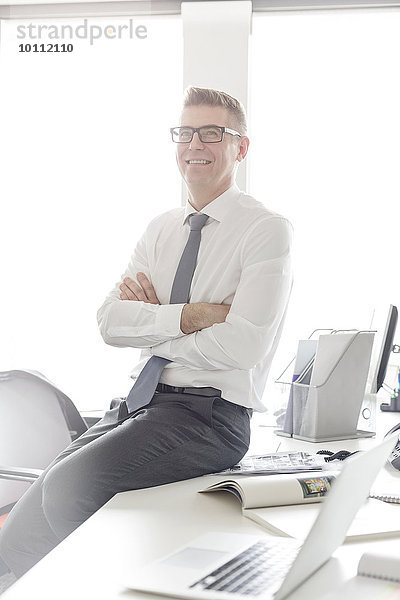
{"x": 45, "y": 48}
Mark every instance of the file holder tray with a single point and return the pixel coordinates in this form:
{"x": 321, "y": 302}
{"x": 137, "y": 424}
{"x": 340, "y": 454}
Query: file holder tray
{"x": 329, "y": 410}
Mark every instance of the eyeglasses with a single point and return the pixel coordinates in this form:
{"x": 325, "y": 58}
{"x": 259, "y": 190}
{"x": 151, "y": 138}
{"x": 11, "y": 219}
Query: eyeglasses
{"x": 209, "y": 134}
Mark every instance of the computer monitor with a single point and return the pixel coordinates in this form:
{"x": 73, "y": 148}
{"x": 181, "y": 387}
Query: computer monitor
{"x": 386, "y": 348}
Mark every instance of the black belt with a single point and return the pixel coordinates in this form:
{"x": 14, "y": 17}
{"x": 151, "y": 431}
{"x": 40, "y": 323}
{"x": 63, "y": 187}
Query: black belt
{"x": 203, "y": 391}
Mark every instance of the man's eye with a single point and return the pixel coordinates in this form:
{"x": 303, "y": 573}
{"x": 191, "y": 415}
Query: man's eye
{"x": 185, "y": 134}
{"x": 211, "y": 134}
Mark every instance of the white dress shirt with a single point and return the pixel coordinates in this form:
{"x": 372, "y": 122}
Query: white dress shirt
{"x": 243, "y": 260}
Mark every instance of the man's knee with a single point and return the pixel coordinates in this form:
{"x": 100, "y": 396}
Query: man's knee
{"x": 57, "y": 501}
{"x": 68, "y": 497}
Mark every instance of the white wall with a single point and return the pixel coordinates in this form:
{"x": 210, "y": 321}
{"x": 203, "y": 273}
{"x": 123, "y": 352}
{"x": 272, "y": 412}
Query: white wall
{"x": 86, "y": 161}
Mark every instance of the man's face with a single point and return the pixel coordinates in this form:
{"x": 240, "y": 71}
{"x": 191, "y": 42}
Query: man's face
{"x": 219, "y": 171}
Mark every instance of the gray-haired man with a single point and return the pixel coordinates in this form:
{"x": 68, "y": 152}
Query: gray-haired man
{"x": 204, "y": 297}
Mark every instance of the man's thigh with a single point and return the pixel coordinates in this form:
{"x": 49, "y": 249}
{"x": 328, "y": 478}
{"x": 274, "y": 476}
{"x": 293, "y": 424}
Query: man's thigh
{"x": 175, "y": 437}
{"x": 171, "y": 439}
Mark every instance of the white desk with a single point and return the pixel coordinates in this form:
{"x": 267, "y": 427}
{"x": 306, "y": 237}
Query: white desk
{"x": 136, "y": 527}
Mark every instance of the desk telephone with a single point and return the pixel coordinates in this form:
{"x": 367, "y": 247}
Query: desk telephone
{"x": 394, "y": 458}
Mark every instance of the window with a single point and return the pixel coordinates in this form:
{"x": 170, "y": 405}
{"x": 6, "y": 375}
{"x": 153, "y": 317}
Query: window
{"x": 86, "y": 162}
{"x": 325, "y": 130}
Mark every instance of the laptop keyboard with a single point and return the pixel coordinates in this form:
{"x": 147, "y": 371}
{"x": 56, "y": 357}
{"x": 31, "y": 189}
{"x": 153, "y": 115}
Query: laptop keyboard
{"x": 260, "y": 567}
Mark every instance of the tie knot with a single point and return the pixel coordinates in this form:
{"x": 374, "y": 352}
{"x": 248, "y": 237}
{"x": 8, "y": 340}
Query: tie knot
{"x": 197, "y": 221}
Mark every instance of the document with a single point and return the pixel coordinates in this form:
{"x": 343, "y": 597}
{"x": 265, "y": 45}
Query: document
{"x": 302, "y": 373}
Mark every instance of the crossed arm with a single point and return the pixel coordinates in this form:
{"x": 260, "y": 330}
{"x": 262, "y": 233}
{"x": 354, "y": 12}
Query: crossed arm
{"x": 194, "y": 317}
{"x": 203, "y": 335}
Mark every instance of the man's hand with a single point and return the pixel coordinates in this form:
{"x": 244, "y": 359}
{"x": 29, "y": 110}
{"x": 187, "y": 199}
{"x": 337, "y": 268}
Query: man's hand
{"x": 200, "y": 315}
{"x": 194, "y": 317}
{"x": 145, "y": 292}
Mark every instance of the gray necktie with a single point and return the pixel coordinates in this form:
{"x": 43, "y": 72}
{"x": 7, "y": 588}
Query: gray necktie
{"x": 146, "y": 383}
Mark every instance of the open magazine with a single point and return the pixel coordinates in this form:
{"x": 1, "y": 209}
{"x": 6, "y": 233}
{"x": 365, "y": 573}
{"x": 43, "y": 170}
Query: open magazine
{"x": 281, "y": 490}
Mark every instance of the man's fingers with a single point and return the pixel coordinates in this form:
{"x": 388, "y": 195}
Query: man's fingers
{"x": 144, "y": 292}
{"x": 126, "y": 293}
{"x": 132, "y": 290}
{"x": 148, "y": 288}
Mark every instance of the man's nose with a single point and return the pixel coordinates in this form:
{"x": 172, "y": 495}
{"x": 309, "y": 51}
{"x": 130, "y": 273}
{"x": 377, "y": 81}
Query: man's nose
{"x": 196, "y": 143}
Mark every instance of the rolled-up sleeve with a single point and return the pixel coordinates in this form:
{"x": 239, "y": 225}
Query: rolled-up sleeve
{"x": 135, "y": 323}
{"x": 257, "y": 310}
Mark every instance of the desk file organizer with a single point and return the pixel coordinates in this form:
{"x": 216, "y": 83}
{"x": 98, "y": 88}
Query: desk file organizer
{"x": 324, "y": 404}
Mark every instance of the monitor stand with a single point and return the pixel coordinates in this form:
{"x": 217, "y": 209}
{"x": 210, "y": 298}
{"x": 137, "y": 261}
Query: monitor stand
{"x": 394, "y": 405}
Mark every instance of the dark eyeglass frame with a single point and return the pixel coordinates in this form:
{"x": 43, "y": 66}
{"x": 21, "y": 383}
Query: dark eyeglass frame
{"x": 198, "y": 129}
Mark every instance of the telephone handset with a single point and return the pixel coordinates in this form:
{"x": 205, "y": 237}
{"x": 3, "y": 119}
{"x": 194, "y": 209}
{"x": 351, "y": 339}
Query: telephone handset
{"x": 394, "y": 457}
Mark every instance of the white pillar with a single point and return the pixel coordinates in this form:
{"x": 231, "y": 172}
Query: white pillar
{"x": 216, "y": 38}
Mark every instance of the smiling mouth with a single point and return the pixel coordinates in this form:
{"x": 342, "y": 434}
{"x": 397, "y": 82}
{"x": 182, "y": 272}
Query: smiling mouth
{"x": 198, "y": 162}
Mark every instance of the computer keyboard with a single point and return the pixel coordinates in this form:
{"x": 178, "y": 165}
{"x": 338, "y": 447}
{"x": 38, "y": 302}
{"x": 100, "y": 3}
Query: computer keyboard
{"x": 260, "y": 567}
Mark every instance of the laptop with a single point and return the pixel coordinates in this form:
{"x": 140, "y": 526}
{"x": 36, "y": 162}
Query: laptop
{"x": 227, "y": 566}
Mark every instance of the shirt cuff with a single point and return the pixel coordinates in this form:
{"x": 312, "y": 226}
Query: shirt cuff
{"x": 168, "y": 320}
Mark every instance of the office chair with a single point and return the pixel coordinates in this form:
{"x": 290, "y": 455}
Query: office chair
{"x": 37, "y": 421}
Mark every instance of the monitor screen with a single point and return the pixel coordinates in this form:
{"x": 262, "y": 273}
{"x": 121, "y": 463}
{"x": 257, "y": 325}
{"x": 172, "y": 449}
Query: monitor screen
{"x": 386, "y": 348}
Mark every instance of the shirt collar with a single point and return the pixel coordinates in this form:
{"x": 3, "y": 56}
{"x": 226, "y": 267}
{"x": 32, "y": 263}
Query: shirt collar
{"x": 219, "y": 208}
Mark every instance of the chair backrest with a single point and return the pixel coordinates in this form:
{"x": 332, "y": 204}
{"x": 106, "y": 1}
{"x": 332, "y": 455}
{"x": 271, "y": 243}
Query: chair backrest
{"x": 33, "y": 428}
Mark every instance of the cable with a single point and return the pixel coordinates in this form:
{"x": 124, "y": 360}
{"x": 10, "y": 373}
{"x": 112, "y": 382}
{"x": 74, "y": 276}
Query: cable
{"x": 340, "y": 455}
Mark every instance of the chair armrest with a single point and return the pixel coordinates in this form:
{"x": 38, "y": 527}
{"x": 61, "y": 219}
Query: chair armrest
{"x": 91, "y": 417}
{"x": 20, "y": 473}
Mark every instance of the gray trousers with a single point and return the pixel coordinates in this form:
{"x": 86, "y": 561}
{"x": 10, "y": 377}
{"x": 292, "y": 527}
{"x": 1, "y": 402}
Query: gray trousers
{"x": 175, "y": 437}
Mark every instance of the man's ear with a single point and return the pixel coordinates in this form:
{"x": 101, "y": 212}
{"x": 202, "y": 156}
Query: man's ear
{"x": 243, "y": 148}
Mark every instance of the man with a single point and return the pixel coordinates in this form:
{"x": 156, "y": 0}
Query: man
{"x": 204, "y": 296}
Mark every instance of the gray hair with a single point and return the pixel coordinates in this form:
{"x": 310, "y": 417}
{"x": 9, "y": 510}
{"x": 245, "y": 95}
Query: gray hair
{"x": 195, "y": 96}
